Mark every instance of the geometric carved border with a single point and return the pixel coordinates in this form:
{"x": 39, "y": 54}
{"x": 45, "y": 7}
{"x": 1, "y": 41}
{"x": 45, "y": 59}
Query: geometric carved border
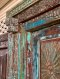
{"x": 20, "y": 7}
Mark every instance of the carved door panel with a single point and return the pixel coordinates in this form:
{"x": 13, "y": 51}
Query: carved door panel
{"x": 50, "y": 58}
{"x": 50, "y": 53}
{"x": 46, "y": 53}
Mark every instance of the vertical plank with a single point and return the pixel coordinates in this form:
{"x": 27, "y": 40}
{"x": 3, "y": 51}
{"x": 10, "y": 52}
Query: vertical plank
{"x": 15, "y": 56}
{"x": 22, "y": 55}
{"x": 29, "y": 58}
{"x": 19, "y": 55}
{"x": 10, "y": 47}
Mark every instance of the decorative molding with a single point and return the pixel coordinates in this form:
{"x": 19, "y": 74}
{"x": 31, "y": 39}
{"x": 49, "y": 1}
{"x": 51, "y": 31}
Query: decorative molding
{"x": 12, "y": 24}
{"x": 26, "y": 12}
{"x": 38, "y": 8}
{"x": 11, "y": 21}
{"x": 43, "y": 19}
{"x": 20, "y": 7}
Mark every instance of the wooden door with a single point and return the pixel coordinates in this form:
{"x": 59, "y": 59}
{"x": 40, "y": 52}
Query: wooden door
{"x": 50, "y": 53}
{"x": 50, "y": 58}
{"x": 46, "y": 50}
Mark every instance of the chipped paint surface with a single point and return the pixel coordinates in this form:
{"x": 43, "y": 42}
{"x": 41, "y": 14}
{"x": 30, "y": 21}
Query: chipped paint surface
{"x": 25, "y": 54}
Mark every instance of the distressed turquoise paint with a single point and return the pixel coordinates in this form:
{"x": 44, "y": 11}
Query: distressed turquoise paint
{"x": 35, "y": 60}
{"x": 23, "y": 51}
{"x": 22, "y": 42}
{"x": 30, "y": 25}
{"x": 28, "y": 37}
{"x": 29, "y": 57}
{"x": 18, "y": 56}
{"x": 29, "y": 40}
{"x": 37, "y": 63}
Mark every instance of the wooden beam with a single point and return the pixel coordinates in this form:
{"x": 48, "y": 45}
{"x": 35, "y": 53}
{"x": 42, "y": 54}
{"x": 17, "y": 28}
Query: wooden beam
{"x": 49, "y": 24}
{"x": 40, "y": 13}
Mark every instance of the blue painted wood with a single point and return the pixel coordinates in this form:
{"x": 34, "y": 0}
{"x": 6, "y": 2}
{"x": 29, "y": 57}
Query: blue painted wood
{"x": 35, "y": 61}
{"x": 30, "y": 25}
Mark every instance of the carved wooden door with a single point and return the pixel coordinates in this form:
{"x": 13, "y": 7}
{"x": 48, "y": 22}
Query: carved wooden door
{"x": 50, "y": 58}
{"x": 46, "y": 50}
{"x": 50, "y": 53}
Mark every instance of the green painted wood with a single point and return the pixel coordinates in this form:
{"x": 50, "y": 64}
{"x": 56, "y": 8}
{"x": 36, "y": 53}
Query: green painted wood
{"x": 22, "y": 58}
{"x": 12, "y": 56}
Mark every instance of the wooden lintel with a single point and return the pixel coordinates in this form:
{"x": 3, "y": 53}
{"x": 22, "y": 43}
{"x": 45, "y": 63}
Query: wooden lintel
{"x": 49, "y": 24}
{"x": 49, "y": 9}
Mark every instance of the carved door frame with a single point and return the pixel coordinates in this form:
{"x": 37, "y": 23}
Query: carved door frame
{"x": 46, "y": 35}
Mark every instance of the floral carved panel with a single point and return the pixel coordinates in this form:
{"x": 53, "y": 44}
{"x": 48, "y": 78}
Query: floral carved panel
{"x": 50, "y": 59}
